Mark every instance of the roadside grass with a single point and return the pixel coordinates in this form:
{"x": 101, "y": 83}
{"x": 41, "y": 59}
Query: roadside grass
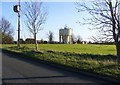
{"x": 90, "y": 58}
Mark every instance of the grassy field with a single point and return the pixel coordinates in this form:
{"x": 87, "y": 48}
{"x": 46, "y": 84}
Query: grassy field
{"x": 75, "y": 48}
{"x": 100, "y": 59}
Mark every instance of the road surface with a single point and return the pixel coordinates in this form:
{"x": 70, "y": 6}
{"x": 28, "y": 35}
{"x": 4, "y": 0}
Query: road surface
{"x": 21, "y": 70}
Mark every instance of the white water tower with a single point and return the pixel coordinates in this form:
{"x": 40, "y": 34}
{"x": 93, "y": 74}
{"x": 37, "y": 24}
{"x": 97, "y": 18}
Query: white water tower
{"x": 65, "y": 35}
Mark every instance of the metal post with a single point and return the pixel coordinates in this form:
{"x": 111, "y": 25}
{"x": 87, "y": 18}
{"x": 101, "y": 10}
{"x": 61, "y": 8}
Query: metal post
{"x": 19, "y": 24}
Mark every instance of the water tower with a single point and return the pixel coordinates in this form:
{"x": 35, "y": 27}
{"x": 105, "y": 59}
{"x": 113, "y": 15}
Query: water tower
{"x": 65, "y": 35}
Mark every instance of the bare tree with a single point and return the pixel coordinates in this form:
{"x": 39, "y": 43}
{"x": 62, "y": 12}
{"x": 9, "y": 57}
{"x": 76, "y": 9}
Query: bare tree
{"x": 73, "y": 39}
{"x": 51, "y": 37}
{"x": 79, "y": 39}
{"x": 99, "y": 39}
{"x": 96, "y": 40}
{"x": 104, "y": 16}
{"x": 35, "y": 17}
{"x": 6, "y": 26}
{"x": 6, "y": 31}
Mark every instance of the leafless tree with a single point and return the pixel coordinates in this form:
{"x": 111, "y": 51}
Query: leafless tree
{"x": 104, "y": 16}
{"x": 51, "y": 37}
{"x": 73, "y": 39}
{"x": 36, "y": 16}
{"x": 6, "y": 27}
{"x": 6, "y": 31}
{"x": 99, "y": 39}
{"x": 79, "y": 39}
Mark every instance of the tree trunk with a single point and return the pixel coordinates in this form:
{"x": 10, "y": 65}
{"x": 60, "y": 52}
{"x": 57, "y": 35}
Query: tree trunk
{"x": 36, "y": 46}
{"x": 118, "y": 51}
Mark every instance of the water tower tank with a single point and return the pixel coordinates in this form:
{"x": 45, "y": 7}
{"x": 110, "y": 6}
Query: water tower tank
{"x": 66, "y": 35}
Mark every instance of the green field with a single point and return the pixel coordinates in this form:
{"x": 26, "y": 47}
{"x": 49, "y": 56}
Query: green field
{"x": 100, "y": 59}
{"x": 75, "y": 48}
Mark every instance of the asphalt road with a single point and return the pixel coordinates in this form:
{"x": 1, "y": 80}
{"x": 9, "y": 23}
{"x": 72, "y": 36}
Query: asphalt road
{"x": 16, "y": 69}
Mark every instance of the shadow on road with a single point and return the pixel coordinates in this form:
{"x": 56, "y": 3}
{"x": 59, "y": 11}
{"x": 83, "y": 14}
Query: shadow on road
{"x": 35, "y": 77}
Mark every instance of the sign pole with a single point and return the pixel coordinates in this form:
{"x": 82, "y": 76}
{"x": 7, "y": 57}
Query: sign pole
{"x": 18, "y": 24}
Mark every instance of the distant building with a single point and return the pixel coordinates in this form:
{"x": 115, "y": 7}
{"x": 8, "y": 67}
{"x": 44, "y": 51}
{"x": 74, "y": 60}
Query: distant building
{"x": 65, "y": 35}
{"x": 84, "y": 42}
{"x": 29, "y": 41}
